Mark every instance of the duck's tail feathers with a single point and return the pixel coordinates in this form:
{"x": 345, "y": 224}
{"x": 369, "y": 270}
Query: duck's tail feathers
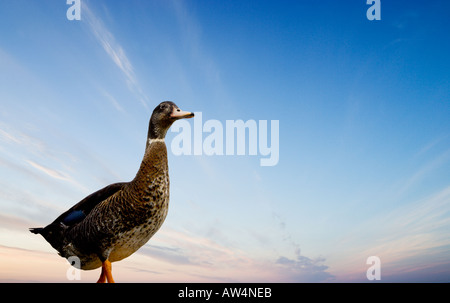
{"x": 36, "y": 230}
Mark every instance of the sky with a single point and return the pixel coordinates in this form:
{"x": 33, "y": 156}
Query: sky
{"x": 363, "y": 135}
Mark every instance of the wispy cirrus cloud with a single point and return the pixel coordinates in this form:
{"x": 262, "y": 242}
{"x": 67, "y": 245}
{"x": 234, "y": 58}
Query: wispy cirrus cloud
{"x": 11, "y": 135}
{"x": 48, "y": 171}
{"x": 116, "y": 53}
{"x": 13, "y": 222}
{"x": 426, "y": 169}
{"x": 113, "y": 101}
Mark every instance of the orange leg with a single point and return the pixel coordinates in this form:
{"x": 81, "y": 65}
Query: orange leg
{"x": 106, "y": 273}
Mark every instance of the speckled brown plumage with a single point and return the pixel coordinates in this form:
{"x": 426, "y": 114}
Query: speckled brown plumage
{"x": 114, "y": 222}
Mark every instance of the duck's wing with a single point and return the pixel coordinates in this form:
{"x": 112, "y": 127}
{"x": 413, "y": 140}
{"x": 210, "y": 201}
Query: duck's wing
{"x": 54, "y": 232}
{"x": 79, "y": 211}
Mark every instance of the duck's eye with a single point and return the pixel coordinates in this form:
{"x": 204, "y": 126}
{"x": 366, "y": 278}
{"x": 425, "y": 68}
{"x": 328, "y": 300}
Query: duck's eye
{"x": 178, "y": 110}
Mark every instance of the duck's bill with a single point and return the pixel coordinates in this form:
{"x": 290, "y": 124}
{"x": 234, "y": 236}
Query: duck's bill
{"x": 180, "y": 114}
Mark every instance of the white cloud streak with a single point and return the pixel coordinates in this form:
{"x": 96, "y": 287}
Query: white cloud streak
{"x": 115, "y": 52}
{"x": 21, "y": 148}
{"x": 425, "y": 170}
{"x": 50, "y": 172}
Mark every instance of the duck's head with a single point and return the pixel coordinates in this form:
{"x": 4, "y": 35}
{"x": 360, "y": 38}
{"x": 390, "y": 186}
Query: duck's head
{"x": 162, "y": 118}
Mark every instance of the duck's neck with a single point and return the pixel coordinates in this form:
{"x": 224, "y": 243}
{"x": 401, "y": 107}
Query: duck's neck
{"x": 151, "y": 141}
{"x": 154, "y": 162}
{"x": 154, "y": 166}
{"x": 156, "y": 132}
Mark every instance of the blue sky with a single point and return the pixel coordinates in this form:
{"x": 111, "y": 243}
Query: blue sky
{"x": 364, "y": 135}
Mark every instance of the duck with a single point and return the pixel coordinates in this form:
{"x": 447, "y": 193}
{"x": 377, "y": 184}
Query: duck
{"x": 115, "y": 221}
